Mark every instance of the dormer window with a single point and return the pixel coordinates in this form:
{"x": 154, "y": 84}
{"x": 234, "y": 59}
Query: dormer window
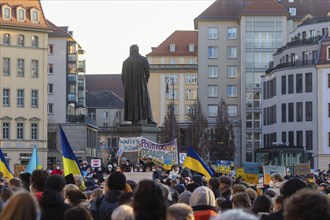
{"x": 34, "y": 15}
{"x": 293, "y": 11}
{"x": 191, "y": 47}
{"x": 6, "y": 12}
{"x": 20, "y": 14}
{"x": 172, "y": 47}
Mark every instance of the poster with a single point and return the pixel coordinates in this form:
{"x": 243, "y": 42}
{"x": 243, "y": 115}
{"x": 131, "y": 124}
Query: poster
{"x": 129, "y": 148}
{"x": 270, "y": 170}
{"x": 302, "y": 169}
{"x": 223, "y": 166}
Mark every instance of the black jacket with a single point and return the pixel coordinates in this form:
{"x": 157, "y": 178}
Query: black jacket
{"x": 103, "y": 207}
{"x": 52, "y": 205}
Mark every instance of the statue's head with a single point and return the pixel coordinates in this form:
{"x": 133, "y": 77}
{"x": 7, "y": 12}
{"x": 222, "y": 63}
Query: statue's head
{"x": 134, "y": 49}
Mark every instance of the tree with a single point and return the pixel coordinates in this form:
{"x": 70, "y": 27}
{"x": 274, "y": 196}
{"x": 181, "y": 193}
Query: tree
{"x": 197, "y": 135}
{"x": 165, "y": 134}
{"x": 223, "y": 146}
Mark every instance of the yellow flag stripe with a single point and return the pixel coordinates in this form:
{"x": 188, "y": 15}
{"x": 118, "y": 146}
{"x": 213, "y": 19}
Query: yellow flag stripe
{"x": 195, "y": 165}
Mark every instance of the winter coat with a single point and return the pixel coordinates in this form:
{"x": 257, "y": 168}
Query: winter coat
{"x": 103, "y": 207}
{"x": 52, "y": 205}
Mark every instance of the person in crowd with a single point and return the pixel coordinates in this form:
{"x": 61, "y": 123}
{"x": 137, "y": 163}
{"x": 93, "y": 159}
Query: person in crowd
{"x": 57, "y": 171}
{"x": 22, "y": 205}
{"x": 180, "y": 211}
{"x": 307, "y": 204}
{"x": 75, "y": 198}
{"x": 238, "y": 188}
{"x": 37, "y": 182}
{"x": 77, "y": 213}
{"x": 149, "y": 201}
{"x": 276, "y": 181}
{"x": 146, "y": 163}
{"x": 198, "y": 179}
{"x": 241, "y": 200}
{"x": 174, "y": 196}
{"x": 15, "y": 183}
{"x": 95, "y": 194}
{"x": 185, "y": 197}
{"x": 202, "y": 202}
{"x": 110, "y": 169}
{"x": 69, "y": 187}
{"x": 126, "y": 198}
{"x": 125, "y": 165}
{"x": 214, "y": 185}
{"x": 79, "y": 180}
{"x": 25, "y": 178}
{"x": 225, "y": 184}
{"x": 252, "y": 194}
{"x": 225, "y": 205}
{"x": 235, "y": 214}
{"x": 123, "y": 212}
{"x": 103, "y": 207}
{"x": 174, "y": 173}
{"x": 5, "y": 194}
{"x": 278, "y": 203}
{"x": 52, "y": 200}
{"x": 132, "y": 184}
{"x": 185, "y": 172}
{"x": 180, "y": 188}
{"x": 85, "y": 165}
{"x": 262, "y": 206}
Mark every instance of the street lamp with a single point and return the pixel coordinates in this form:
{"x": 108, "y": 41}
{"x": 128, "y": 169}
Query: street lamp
{"x": 169, "y": 78}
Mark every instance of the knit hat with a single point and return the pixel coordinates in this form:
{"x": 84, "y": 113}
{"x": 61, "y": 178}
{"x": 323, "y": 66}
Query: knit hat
{"x": 55, "y": 182}
{"x": 117, "y": 181}
{"x": 185, "y": 197}
{"x": 291, "y": 186}
{"x": 197, "y": 179}
{"x": 180, "y": 188}
{"x": 226, "y": 180}
{"x": 202, "y": 195}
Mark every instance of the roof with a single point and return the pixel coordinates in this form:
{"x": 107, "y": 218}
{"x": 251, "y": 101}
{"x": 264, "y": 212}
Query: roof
{"x": 105, "y": 82}
{"x": 325, "y": 43}
{"x": 231, "y": 9}
{"x": 181, "y": 39}
{"x": 105, "y": 99}
{"x": 57, "y": 31}
{"x": 264, "y": 7}
{"x": 28, "y": 5}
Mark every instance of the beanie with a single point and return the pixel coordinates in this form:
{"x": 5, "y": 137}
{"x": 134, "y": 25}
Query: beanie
{"x": 180, "y": 188}
{"x": 117, "y": 181}
{"x": 291, "y": 186}
{"x": 55, "y": 182}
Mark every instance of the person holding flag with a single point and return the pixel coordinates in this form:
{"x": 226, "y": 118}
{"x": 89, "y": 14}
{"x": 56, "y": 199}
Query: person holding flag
{"x": 4, "y": 168}
{"x": 34, "y": 162}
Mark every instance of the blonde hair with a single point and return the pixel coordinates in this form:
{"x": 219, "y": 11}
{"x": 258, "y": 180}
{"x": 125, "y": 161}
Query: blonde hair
{"x": 180, "y": 211}
{"x": 69, "y": 187}
{"x": 22, "y": 205}
{"x": 123, "y": 212}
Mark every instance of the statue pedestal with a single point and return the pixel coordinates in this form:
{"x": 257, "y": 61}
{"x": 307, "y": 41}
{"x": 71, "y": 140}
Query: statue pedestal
{"x": 149, "y": 131}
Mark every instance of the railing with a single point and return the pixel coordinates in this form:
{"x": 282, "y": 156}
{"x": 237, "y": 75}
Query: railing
{"x": 173, "y": 66}
{"x": 80, "y": 119}
{"x": 291, "y": 64}
{"x": 308, "y": 41}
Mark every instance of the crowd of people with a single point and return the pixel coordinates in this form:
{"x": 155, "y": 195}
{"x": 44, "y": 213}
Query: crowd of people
{"x": 177, "y": 194}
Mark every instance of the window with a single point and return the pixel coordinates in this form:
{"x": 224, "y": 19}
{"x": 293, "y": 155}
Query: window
{"x": 309, "y": 111}
{"x": 50, "y": 48}
{"x": 212, "y": 91}
{"x": 172, "y": 61}
{"x": 35, "y": 16}
{"x": 212, "y": 110}
{"x": 299, "y": 111}
{"x": 191, "y": 94}
{"x": 191, "y": 79}
{"x": 172, "y": 95}
{"x": 20, "y": 131}
{"x": 50, "y": 89}
{"x": 212, "y": 33}
{"x": 309, "y": 140}
{"x": 284, "y": 137}
{"x": 328, "y": 53}
{"x": 34, "y": 98}
{"x": 50, "y": 68}
{"x": 105, "y": 114}
{"x": 6, "y": 13}
{"x": 34, "y": 41}
{"x": 231, "y": 52}
{"x": 6, "y": 39}
{"x": 300, "y": 138}
{"x": 291, "y": 112}
{"x": 21, "y": 14}
{"x": 172, "y": 47}
{"x": 20, "y": 98}
{"x": 6, "y": 67}
{"x": 232, "y": 110}
{"x": 213, "y": 71}
{"x": 34, "y": 131}
{"x": 283, "y": 82}
{"x": 328, "y": 80}
{"x": 231, "y": 71}
{"x": 283, "y": 112}
{"x": 292, "y": 11}
{"x": 291, "y": 138}
{"x": 50, "y": 108}
{"x": 212, "y": 52}
{"x": 6, "y": 97}
{"x": 290, "y": 86}
{"x": 20, "y": 67}
{"x": 299, "y": 83}
{"x": 191, "y": 61}
{"x": 190, "y": 109}
{"x": 5, "y": 130}
{"x": 20, "y": 40}
{"x": 231, "y": 33}
{"x": 34, "y": 68}
{"x": 191, "y": 47}
{"x": 308, "y": 82}
{"x": 232, "y": 91}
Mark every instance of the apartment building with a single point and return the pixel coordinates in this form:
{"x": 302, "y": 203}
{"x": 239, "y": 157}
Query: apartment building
{"x": 236, "y": 40}
{"x": 23, "y": 64}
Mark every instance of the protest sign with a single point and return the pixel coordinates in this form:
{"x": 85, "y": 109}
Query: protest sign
{"x": 129, "y": 148}
{"x": 251, "y": 168}
{"x": 138, "y": 176}
{"x": 269, "y": 170}
{"x": 223, "y": 166}
{"x": 96, "y": 163}
{"x": 240, "y": 172}
{"x": 302, "y": 169}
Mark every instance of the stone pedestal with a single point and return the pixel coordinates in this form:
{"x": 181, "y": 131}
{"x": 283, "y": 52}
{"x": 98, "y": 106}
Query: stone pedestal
{"x": 149, "y": 131}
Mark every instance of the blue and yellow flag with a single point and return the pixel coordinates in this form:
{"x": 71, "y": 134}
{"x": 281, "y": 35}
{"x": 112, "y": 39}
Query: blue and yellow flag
{"x": 4, "y": 168}
{"x": 194, "y": 162}
{"x": 34, "y": 162}
{"x": 70, "y": 162}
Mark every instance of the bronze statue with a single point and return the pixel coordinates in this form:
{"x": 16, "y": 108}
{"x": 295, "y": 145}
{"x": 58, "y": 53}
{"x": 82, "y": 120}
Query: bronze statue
{"x": 135, "y": 75}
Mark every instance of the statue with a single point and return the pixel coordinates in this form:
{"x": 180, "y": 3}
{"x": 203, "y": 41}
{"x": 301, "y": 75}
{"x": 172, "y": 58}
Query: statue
{"x": 135, "y": 75}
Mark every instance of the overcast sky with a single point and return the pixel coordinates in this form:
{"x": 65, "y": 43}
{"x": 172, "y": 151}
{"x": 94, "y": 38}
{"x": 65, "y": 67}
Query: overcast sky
{"x": 106, "y": 29}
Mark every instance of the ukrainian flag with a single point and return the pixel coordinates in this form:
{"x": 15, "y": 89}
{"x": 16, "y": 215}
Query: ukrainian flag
{"x": 70, "y": 162}
{"x": 4, "y": 168}
{"x": 194, "y": 162}
{"x": 34, "y": 162}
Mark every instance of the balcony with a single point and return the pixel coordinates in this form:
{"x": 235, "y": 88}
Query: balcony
{"x": 291, "y": 64}
{"x": 80, "y": 119}
{"x": 72, "y": 78}
{"x": 82, "y": 66}
{"x": 173, "y": 67}
{"x": 72, "y": 58}
{"x": 300, "y": 42}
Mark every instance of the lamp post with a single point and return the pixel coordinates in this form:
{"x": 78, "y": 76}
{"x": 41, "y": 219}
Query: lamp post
{"x": 169, "y": 78}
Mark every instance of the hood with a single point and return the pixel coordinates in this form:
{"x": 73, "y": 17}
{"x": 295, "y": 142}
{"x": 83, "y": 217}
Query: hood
{"x": 202, "y": 195}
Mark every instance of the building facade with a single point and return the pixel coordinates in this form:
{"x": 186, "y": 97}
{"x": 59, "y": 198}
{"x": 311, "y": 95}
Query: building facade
{"x": 23, "y": 64}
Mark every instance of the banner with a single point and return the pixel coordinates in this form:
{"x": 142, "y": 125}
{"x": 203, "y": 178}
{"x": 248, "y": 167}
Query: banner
{"x": 223, "y": 166}
{"x": 159, "y": 152}
{"x": 302, "y": 169}
{"x": 240, "y": 172}
{"x": 270, "y": 170}
{"x": 138, "y": 176}
{"x": 251, "y": 168}
{"x": 129, "y": 148}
